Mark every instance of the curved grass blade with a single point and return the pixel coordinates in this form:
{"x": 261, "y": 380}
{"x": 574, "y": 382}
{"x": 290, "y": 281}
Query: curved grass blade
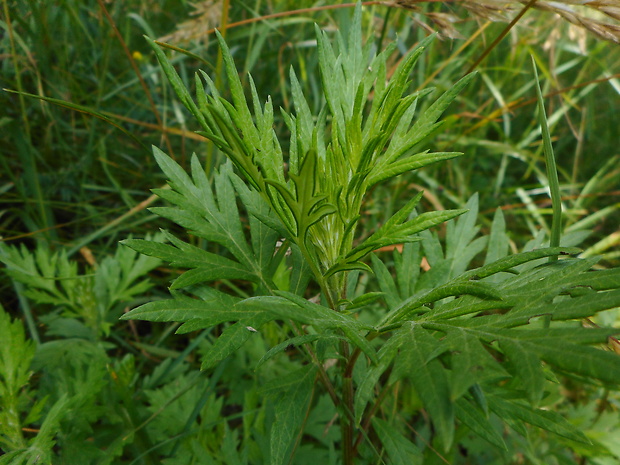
{"x": 82, "y": 109}
{"x": 552, "y": 171}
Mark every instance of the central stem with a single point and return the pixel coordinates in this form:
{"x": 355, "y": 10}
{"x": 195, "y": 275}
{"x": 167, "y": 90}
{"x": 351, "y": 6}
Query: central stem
{"x": 346, "y": 423}
{"x": 335, "y": 289}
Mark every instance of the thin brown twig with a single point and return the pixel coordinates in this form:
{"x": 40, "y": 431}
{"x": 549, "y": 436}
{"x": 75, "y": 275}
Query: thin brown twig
{"x": 428, "y": 444}
{"x": 167, "y": 129}
{"x": 137, "y": 71}
{"x": 514, "y": 206}
{"x": 132, "y": 211}
{"x": 368, "y": 418}
{"x": 519, "y": 103}
{"x": 322, "y": 374}
{"x": 456, "y": 53}
{"x": 499, "y": 38}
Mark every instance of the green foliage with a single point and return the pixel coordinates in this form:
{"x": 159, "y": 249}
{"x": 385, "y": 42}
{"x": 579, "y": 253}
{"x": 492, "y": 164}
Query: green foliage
{"x": 16, "y": 355}
{"x": 319, "y": 197}
{"x": 90, "y": 301}
{"x": 472, "y": 342}
{"x": 332, "y": 325}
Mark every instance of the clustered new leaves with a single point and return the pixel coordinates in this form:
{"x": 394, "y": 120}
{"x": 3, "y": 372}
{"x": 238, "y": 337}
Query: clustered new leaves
{"x": 319, "y": 197}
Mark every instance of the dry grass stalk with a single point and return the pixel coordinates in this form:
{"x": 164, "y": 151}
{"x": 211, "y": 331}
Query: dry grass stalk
{"x": 601, "y": 17}
{"x": 206, "y": 15}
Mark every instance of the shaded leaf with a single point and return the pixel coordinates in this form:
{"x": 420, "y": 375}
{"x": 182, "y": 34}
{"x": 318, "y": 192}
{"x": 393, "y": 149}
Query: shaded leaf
{"x": 545, "y": 419}
{"x": 400, "y": 449}
{"x": 292, "y": 342}
{"x": 474, "y": 419}
{"x": 231, "y": 339}
{"x": 291, "y": 394}
{"x": 216, "y": 308}
{"x": 428, "y": 376}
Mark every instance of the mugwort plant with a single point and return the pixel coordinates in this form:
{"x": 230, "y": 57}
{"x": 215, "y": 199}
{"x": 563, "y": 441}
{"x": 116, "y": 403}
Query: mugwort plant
{"x": 470, "y": 344}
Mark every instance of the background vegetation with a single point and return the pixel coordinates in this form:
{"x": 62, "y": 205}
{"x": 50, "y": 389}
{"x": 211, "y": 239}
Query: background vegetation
{"x": 76, "y": 179}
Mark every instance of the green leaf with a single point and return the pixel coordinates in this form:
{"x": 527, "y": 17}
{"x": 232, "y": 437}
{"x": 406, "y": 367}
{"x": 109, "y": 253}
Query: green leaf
{"x": 217, "y": 221}
{"x": 177, "y": 177}
{"x": 232, "y": 338}
{"x": 264, "y": 241}
{"x": 217, "y": 308}
{"x": 433, "y": 251}
{"x": 207, "y": 266}
{"x": 345, "y": 265}
{"x": 16, "y": 354}
{"x": 498, "y": 240}
{"x": 386, "y": 355}
{"x": 582, "y": 360}
{"x": 386, "y": 282}
{"x": 534, "y": 291}
{"x": 417, "y": 303}
{"x": 292, "y": 342}
{"x": 290, "y": 306}
{"x": 580, "y": 307}
{"x": 601, "y": 279}
{"x": 177, "y": 83}
{"x": 525, "y": 347}
{"x": 363, "y": 300}
{"x": 428, "y": 376}
{"x": 552, "y": 171}
{"x": 400, "y": 450}
{"x": 230, "y": 270}
{"x": 308, "y": 206}
{"x": 300, "y": 272}
{"x": 545, "y": 419}
{"x": 41, "y": 447}
{"x": 472, "y": 417}
{"x": 471, "y": 362}
{"x": 410, "y": 163}
{"x": 229, "y": 221}
{"x": 512, "y": 261}
{"x": 528, "y": 368}
{"x": 461, "y": 233}
{"x": 397, "y": 230}
{"x": 433, "y": 113}
{"x": 236, "y": 89}
{"x": 462, "y": 306}
{"x": 407, "y": 273}
{"x": 198, "y": 210}
{"x": 360, "y": 342}
{"x": 258, "y": 207}
{"x": 291, "y": 394}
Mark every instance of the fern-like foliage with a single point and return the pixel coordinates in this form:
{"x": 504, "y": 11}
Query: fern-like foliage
{"x": 91, "y": 300}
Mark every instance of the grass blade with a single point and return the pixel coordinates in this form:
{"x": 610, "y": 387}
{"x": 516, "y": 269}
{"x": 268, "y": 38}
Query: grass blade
{"x": 552, "y": 171}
